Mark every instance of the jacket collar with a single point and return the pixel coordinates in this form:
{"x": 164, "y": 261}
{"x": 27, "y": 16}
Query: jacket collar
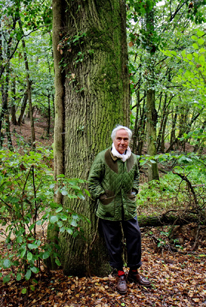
{"x": 113, "y": 157}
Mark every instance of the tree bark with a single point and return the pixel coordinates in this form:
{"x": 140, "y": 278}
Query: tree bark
{"x": 96, "y": 98}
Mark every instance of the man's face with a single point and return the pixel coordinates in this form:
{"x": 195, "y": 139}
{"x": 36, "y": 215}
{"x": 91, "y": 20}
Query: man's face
{"x": 121, "y": 141}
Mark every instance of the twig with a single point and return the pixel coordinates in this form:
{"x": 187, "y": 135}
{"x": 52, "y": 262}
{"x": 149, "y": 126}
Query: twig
{"x": 10, "y": 207}
{"x": 189, "y": 185}
{"x": 196, "y": 238}
{"x": 31, "y": 304}
{"x": 36, "y": 207}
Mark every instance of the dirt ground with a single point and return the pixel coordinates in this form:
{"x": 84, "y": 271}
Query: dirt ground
{"x": 22, "y": 134}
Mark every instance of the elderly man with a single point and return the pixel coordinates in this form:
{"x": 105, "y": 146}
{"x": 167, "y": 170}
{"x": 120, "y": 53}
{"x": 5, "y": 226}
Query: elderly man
{"x": 114, "y": 182}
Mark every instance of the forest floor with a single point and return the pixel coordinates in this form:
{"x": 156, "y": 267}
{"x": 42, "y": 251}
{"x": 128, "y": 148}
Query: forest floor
{"x": 21, "y": 135}
{"x": 177, "y": 277}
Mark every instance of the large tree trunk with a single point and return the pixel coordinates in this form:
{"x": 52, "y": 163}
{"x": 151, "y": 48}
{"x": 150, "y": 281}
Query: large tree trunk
{"x": 96, "y": 98}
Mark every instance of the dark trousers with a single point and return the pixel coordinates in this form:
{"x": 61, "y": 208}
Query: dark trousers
{"x": 113, "y": 238}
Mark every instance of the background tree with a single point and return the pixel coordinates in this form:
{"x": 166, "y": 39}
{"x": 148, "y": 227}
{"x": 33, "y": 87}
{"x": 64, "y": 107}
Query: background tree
{"x": 18, "y": 22}
{"x": 170, "y": 28}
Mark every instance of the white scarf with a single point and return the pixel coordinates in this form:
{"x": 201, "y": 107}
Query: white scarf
{"x": 123, "y": 156}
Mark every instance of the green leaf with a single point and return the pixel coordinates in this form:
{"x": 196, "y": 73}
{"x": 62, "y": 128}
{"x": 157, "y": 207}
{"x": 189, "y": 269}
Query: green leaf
{"x": 81, "y": 196}
{"x": 64, "y": 217}
{"x": 75, "y": 216}
{"x": 60, "y": 223}
{"x": 19, "y": 239}
{"x": 18, "y": 277}
{"x": 28, "y": 275}
{"x": 53, "y": 219}
{"x": 195, "y": 46}
{"x": 23, "y": 291}
{"x": 194, "y": 37}
{"x": 29, "y": 256}
{"x": 187, "y": 73}
{"x": 189, "y": 56}
{"x": 39, "y": 223}
{"x": 153, "y": 161}
{"x": 57, "y": 262}
{"x": 200, "y": 41}
{"x": 35, "y": 270}
{"x": 59, "y": 209}
{"x": 32, "y": 246}
{"x": 183, "y": 53}
{"x": 46, "y": 255}
{"x": 23, "y": 253}
{"x": 64, "y": 192}
{"x": 61, "y": 176}
{"x": 70, "y": 231}
{"x": 202, "y": 59}
{"x": 62, "y": 229}
{"x": 73, "y": 223}
{"x": 87, "y": 192}
{"x": 202, "y": 50}
{"x": 6, "y": 264}
{"x": 6, "y": 279}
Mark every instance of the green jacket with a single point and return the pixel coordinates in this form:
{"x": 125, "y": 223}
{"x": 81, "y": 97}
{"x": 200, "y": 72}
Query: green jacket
{"x": 112, "y": 182}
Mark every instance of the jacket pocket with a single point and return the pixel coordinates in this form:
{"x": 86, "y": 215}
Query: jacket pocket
{"x": 132, "y": 195}
{"x": 106, "y": 211}
{"x": 107, "y": 197}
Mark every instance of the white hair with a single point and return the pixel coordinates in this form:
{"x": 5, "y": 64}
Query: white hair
{"x": 119, "y": 127}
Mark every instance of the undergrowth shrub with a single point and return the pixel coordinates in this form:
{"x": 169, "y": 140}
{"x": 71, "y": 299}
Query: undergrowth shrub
{"x": 27, "y": 188}
{"x": 173, "y": 190}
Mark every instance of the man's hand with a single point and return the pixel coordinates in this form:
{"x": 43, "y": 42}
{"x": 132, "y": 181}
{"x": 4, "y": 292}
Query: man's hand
{"x": 102, "y": 196}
